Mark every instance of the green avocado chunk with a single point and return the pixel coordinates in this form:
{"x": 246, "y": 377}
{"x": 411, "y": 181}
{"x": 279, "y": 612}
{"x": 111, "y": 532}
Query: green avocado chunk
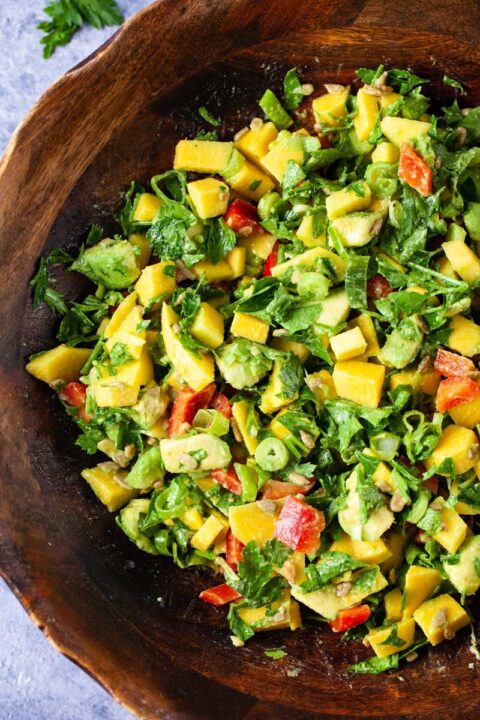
{"x": 357, "y": 229}
{"x": 402, "y": 345}
{"x": 243, "y": 363}
{"x": 128, "y": 519}
{"x": 194, "y": 453}
{"x": 111, "y": 263}
{"x": 465, "y": 575}
{"x": 147, "y": 470}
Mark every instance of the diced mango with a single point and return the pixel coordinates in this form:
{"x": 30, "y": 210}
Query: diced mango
{"x": 240, "y": 412}
{"x": 236, "y": 259}
{"x": 197, "y": 370}
{"x": 208, "y": 533}
{"x": 103, "y": 326}
{"x": 251, "y": 522}
{"x": 250, "y": 327}
{"x": 386, "y": 152}
{"x": 330, "y": 109}
{"x": 458, "y": 443}
{"x": 209, "y": 197}
{"x": 273, "y": 398}
{"x": 136, "y": 373}
{"x": 305, "y": 233}
{"x": 354, "y": 197}
{"x": 139, "y": 240}
{"x": 405, "y": 630}
{"x": 130, "y": 323}
{"x": 111, "y": 492}
{"x": 133, "y": 344}
{"x": 374, "y": 552}
{"x": 463, "y": 508}
{"x": 393, "y": 604}
{"x": 465, "y": 336}
{"x": 309, "y": 259}
{"x": 254, "y": 143}
{"x": 426, "y": 382}
{"x": 396, "y": 544}
{"x": 367, "y": 113}
{"x": 420, "y": 583}
{"x": 359, "y": 381}
{"x": 453, "y": 532}
{"x": 115, "y": 393}
{"x": 365, "y": 323}
{"x": 441, "y": 616}
{"x": 260, "y": 244}
{"x": 193, "y": 519}
{"x": 213, "y": 272}
{"x": 467, "y": 414}
{"x": 388, "y": 99}
{"x": 202, "y": 156}
{"x": 446, "y": 267}
{"x": 159, "y": 430}
{"x": 120, "y": 314}
{"x": 298, "y": 349}
{"x": 156, "y": 280}
{"x": 59, "y": 363}
{"x": 280, "y": 614}
{"x": 276, "y": 160}
{"x": 463, "y": 260}
{"x": 207, "y": 326}
{"x": 382, "y": 476}
{"x": 146, "y": 207}
{"x": 322, "y": 385}
{"x": 348, "y": 344}
{"x": 249, "y": 180}
{"x": 401, "y": 130}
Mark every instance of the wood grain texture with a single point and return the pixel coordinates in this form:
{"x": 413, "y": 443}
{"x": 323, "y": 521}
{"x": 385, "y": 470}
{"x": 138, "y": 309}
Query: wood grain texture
{"x": 134, "y": 622}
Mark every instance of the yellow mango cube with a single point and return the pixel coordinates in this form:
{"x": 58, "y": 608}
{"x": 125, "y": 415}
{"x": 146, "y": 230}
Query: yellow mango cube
{"x": 453, "y": 532}
{"x": 446, "y": 267}
{"x": 196, "y": 370}
{"x": 386, "y": 152}
{"x": 208, "y": 533}
{"x": 365, "y": 323}
{"x": 112, "y": 493}
{"x": 59, "y": 363}
{"x": 260, "y": 244}
{"x": 467, "y": 414}
{"x": 330, "y": 109}
{"x": 250, "y": 181}
{"x": 240, "y": 412}
{"x": 272, "y": 398}
{"x": 426, "y": 383}
{"x": 405, "y": 631}
{"x": 281, "y": 614}
{"x": 396, "y": 544}
{"x": 276, "y": 160}
{"x": 254, "y": 143}
{"x": 359, "y": 381}
{"x": 209, "y": 197}
{"x": 388, "y": 99}
{"x": 373, "y": 552}
{"x": 298, "y": 349}
{"x": 401, "y": 130}
{"x": 146, "y": 207}
{"x": 393, "y": 604}
{"x": 193, "y": 519}
{"x": 382, "y": 477}
{"x": 309, "y": 260}
{"x": 463, "y": 508}
{"x": 139, "y": 240}
{"x": 305, "y": 233}
{"x": 250, "y": 327}
{"x": 156, "y": 280}
{"x": 115, "y": 393}
{"x": 251, "y": 522}
{"x": 354, "y": 197}
{"x": 120, "y": 314}
{"x": 420, "y": 583}
{"x": 463, "y": 260}
{"x": 132, "y": 343}
{"x": 213, "y": 272}
{"x": 440, "y": 618}
{"x": 136, "y": 373}
{"x": 322, "y": 386}
{"x": 465, "y": 336}
{"x": 367, "y": 114}
{"x": 458, "y": 443}
{"x": 348, "y": 344}
{"x": 202, "y": 156}
{"x": 207, "y": 326}
{"x": 236, "y": 259}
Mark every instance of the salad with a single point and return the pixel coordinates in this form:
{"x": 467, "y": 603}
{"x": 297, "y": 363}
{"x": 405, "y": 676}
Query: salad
{"x": 278, "y": 362}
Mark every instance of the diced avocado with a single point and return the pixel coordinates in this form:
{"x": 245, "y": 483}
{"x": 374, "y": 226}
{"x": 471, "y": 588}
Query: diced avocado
{"x": 465, "y": 575}
{"x": 379, "y": 519}
{"x": 455, "y": 232}
{"x": 194, "y": 453}
{"x": 151, "y": 405}
{"x": 242, "y": 363}
{"x": 317, "y": 258}
{"x": 357, "y": 229}
{"x": 111, "y": 263}
{"x": 335, "y": 309}
{"x": 402, "y": 345}
{"x": 472, "y": 220}
{"x": 128, "y": 519}
{"x": 147, "y": 471}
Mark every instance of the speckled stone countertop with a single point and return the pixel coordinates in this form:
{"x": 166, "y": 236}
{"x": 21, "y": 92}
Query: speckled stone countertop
{"x": 36, "y": 682}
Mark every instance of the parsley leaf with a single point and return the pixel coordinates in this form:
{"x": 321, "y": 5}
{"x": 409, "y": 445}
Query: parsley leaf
{"x": 220, "y": 239}
{"x": 331, "y": 565}
{"x": 255, "y": 579}
{"x": 43, "y": 292}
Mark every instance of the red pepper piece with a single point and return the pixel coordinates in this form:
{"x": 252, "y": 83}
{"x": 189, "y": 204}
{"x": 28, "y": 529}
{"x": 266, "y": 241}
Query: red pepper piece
{"x": 228, "y": 479}
{"x": 222, "y": 404}
{"x": 242, "y": 215}
{"x": 451, "y": 364}
{"x": 350, "y": 618}
{"x": 186, "y": 405}
{"x": 414, "y": 170}
{"x": 271, "y": 261}
{"x": 455, "y": 391}
{"x": 219, "y": 595}
{"x": 275, "y": 489}
{"x": 299, "y": 525}
{"x": 234, "y": 550}
{"x": 75, "y": 394}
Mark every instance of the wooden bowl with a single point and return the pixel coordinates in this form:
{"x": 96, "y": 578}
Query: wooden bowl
{"x": 131, "y": 621}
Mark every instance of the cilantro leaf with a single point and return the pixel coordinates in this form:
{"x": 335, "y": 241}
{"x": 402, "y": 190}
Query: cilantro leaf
{"x": 447, "y": 80}
{"x": 275, "y": 653}
{"x": 43, "y": 292}
{"x": 255, "y": 579}
{"x": 220, "y": 239}
{"x": 393, "y": 639}
{"x": 331, "y": 565}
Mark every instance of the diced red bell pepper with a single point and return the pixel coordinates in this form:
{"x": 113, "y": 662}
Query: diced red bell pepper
{"x": 234, "y": 550}
{"x": 219, "y": 595}
{"x": 228, "y": 479}
{"x": 271, "y": 261}
{"x": 350, "y": 618}
{"x": 450, "y": 364}
{"x": 455, "y": 391}
{"x": 241, "y": 215}
{"x": 75, "y": 394}
{"x": 414, "y": 170}
{"x": 222, "y": 404}
{"x": 299, "y": 525}
{"x": 378, "y": 287}
{"x": 275, "y": 489}
{"x": 186, "y": 405}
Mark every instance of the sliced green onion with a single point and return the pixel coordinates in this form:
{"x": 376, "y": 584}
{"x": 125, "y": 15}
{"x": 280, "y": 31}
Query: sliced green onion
{"x": 249, "y": 480}
{"x": 211, "y": 421}
{"x": 356, "y": 275}
{"x": 382, "y": 179}
{"x": 272, "y": 455}
{"x": 274, "y": 110}
{"x": 385, "y": 445}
